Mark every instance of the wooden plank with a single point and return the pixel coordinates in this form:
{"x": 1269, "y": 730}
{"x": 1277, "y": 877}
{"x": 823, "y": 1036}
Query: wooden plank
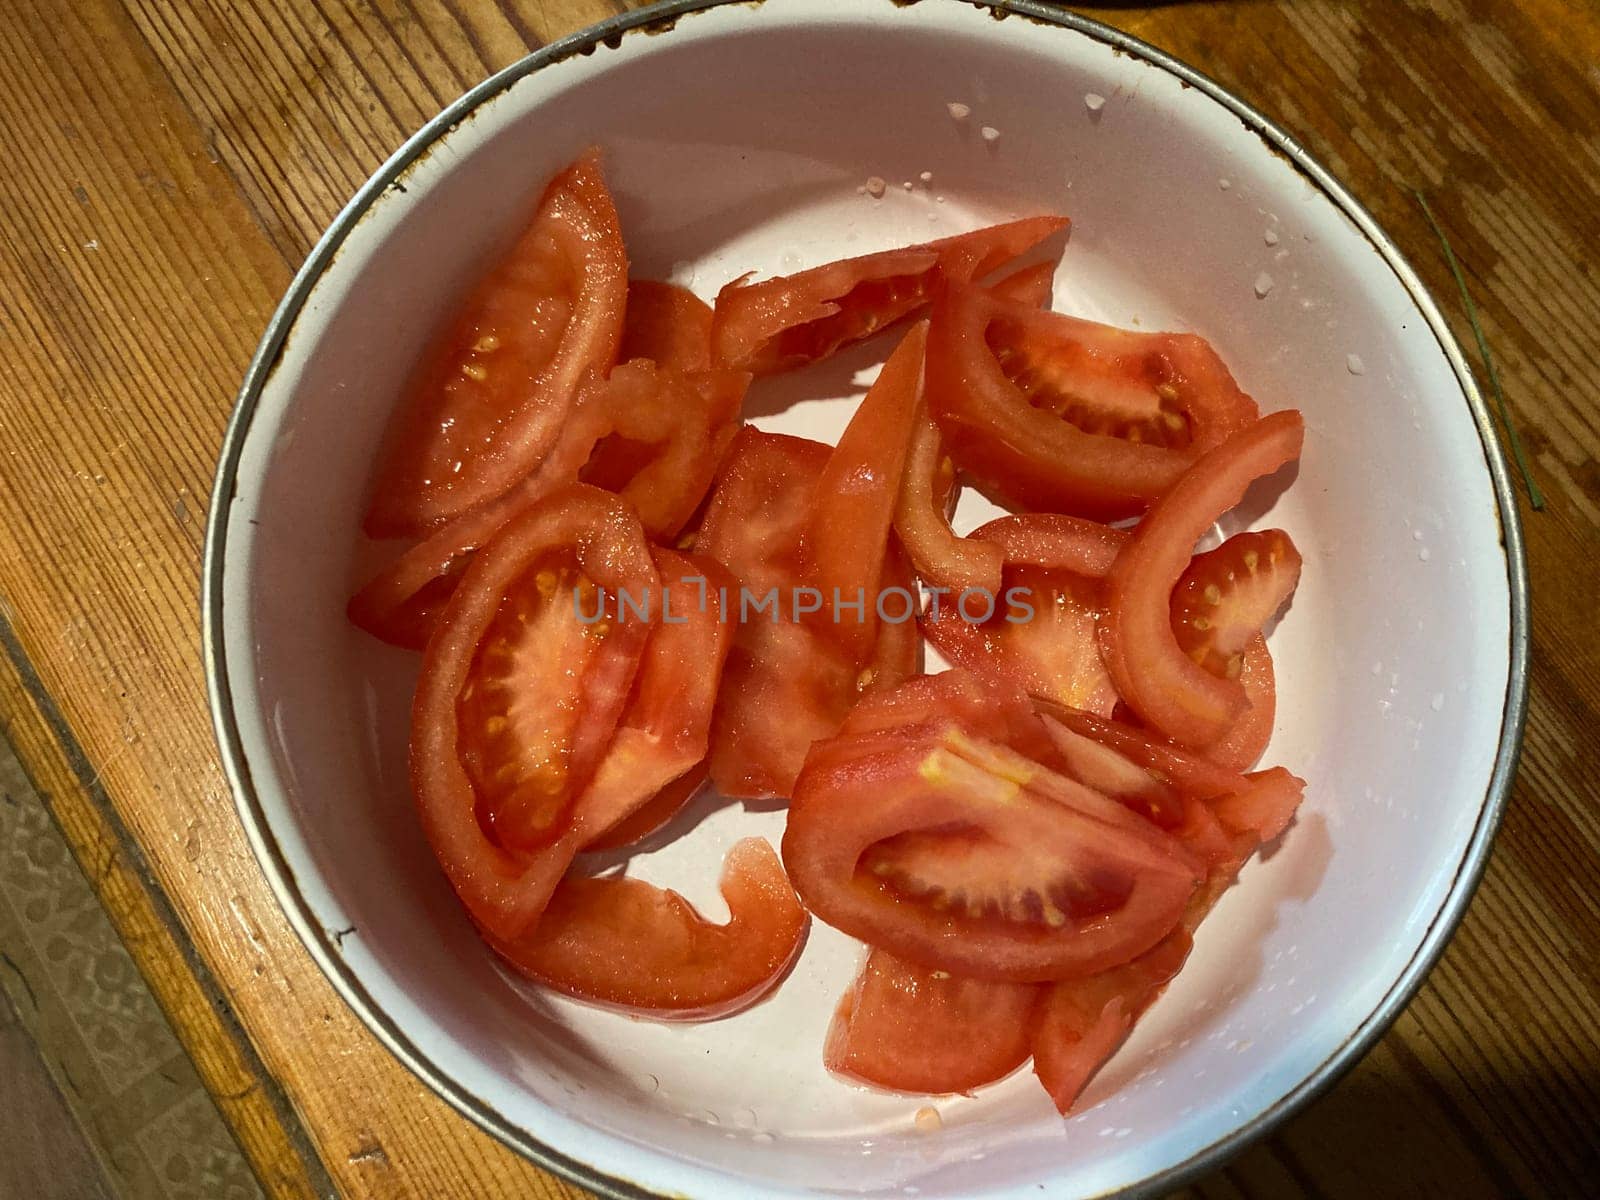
{"x": 173, "y": 184}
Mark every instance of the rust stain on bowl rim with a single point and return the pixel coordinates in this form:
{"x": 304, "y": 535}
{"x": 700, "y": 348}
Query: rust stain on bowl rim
{"x": 661, "y": 19}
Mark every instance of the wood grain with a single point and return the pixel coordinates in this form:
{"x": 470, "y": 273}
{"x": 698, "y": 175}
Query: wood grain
{"x": 169, "y": 162}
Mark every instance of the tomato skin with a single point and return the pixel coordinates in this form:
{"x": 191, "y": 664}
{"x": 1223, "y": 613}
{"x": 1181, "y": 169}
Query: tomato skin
{"x": 684, "y": 423}
{"x": 1055, "y": 542}
{"x": 786, "y": 683}
{"x": 846, "y": 537}
{"x": 490, "y": 398}
{"x": 783, "y": 323}
{"x": 505, "y": 889}
{"x": 910, "y": 1029}
{"x": 667, "y": 324}
{"x": 1031, "y": 458}
{"x": 666, "y": 728}
{"x": 638, "y": 949}
{"x": 852, "y": 806}
{"x": 922, "y": 518}
{"x": 1151, "y": 672}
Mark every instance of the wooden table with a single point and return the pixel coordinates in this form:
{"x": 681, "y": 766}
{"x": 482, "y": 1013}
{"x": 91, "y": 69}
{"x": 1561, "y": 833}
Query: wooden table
{"x": 166, "y": 167}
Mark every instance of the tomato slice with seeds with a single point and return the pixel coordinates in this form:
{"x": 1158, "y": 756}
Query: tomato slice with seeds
{"x": 1226, "y": 596}
{"x": 642, "y": 950}
{"x": 1051, "y": 412}
{"x": 955, "y": 852}
{"x": 667, "y": 324}
{"x": 652, "y": 435}
{"x": 665, "y": 730}
{"x": 911, "y": 1029}
{"x": 489, "y": 400}
{"x": 1082, "y": 1022}
{"x": 783, "y": 323}
{"x": 518, "y": 698}
{"x": 846, "y": 537}
{"x": 1041, "y": 635}
{"x": 1161, "y": 683}
{"x": 1245, "y": 741}
{"x": 922, "y": 518}
{"x": 787, "y": 681}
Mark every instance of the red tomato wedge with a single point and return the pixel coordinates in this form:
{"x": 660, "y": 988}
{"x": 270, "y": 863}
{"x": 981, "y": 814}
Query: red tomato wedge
{"x": 489, "y": 400}
{"x": 922, "y": 518}
{"x": 653, "y": 436}
{"x": 1161, "y": 683}
{"x": 1225, "y": 596}
{"x": 1031, "y": 285}
{"x": 1244, "y": 742}
{"x": 910, "y": 1029}
{"x": 1041, "y": 634}
{"x": 650, "y": 817}
{"x": 1082, "y": 1022}
{"x": 640, "y": 949}
{"x": 787, "y": 322}
{"x": 666, "y": 727}
{"x": 1055, "y": 413}
{"x": 667, "y": 324}
{"x": 787, "y": 682}
{"x": 955, "y": 852}
{"x": 846, "y": 537}
{"x": 518, "y": 698}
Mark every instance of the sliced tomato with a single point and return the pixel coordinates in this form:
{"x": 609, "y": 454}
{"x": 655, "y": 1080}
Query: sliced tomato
{"x": 1082, "y": 1022}
{"x": 1264, "y": 807}
{"x": 650, "y": 817}
{"x": 639, "y": 949}
{"x": 667, "y": 324}
{"x": 1244, "y": 742}
{"x": 911, "y": 1029}
{"x": 489, "y": 400}
{"x": 1225, "y": 597}
{"x": 1145, "y": 752}
{"x": 518, "y": 698}
{"x": 1040, "y": 632}
{"x": 653, "y": 436}
{"x": 666, "y": 728}
{"x": 846, "y": 538}
{"x": 1030, "y": 285}
{"x": 955, "y": 852}
{"x": 1152, "y": 673}
{"x": 922, "y": 518}
{"x": 783, "y": 323}
{"x": 1054, "y": 413}
{"x": 787, "y": 683}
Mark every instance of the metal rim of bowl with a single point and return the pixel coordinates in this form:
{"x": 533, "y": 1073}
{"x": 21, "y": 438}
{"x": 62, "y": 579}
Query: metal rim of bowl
{"x": 281, "y": 875}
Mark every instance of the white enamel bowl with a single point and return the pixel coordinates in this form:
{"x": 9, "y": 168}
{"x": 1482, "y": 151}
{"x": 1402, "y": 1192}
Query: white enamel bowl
{"x": 738, "y": 138}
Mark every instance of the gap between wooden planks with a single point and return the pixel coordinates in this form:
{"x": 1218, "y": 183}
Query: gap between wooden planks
{"x": 177, "y": 160}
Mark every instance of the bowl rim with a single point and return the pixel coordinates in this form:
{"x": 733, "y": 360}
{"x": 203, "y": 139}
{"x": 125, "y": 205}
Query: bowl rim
{"x": 280, "y": 874}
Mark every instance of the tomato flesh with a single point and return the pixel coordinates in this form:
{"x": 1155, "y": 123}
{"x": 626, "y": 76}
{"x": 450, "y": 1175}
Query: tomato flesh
{"x": 922, "y": 518}
{"x": 512, "y": 718}
{"x": 639, "y": 949}
{"x": 1225, "y": 596}
{"x": 787, "y": 322}
{"x": 654, "y": 814}
{"x": 958, "y": 853}
{"x": 1053, "y": 413}
{"x": 787, "y": 681}
{"x": 1151, "y": 672}
{"x": 846, "y": 537}
{"x": 665, "y": 729}
{"x": 1030, "y": 285}
{"x": 667, "y": 324}
{"x": 911, "y": 1029}
{"x": 489, "y": 400}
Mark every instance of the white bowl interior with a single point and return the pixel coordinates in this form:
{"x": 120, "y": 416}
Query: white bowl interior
{"x": 738, "y": 141}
